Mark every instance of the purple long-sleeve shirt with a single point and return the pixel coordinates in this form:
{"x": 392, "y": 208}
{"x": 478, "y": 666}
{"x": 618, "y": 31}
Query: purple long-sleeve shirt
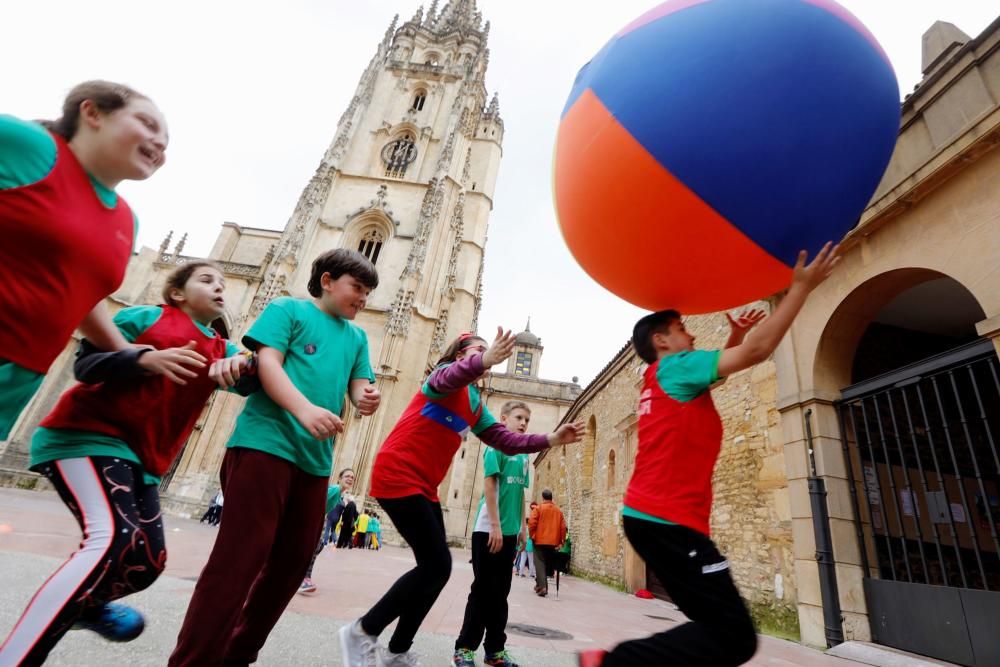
{"x": 449, "y": 379}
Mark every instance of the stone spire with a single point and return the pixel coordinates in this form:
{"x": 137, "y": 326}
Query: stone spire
{"x": 494, "y": 108}
{"x": 387, "y": 39}
{"x": 459, "y": 15}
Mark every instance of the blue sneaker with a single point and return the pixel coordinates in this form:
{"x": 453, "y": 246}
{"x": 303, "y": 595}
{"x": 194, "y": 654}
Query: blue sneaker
{"x": 115, "y": 622}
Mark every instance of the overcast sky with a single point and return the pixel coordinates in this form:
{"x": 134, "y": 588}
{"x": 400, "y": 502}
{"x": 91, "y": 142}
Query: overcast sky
{"x": 252, "y": 92}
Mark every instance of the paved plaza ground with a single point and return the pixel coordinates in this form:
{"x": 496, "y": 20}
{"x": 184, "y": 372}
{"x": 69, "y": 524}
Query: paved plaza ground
{"x": 38, "y": 533}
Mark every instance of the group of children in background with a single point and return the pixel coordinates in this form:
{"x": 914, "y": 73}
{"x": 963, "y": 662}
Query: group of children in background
{"x": 146, "y": 374}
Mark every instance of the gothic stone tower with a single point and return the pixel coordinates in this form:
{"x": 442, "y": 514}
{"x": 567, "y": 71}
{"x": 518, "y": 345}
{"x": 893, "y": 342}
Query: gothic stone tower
{"x": 408, "y": 180}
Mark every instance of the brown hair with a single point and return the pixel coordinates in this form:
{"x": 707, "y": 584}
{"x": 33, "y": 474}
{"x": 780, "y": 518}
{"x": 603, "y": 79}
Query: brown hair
{"x": 642, "y": 333}
{"x": 105, "y": 95}
{"x": 337, "y": 263}
{"x": 463, "y": 341}
{"x": 179, "y": 277}
{"x": 510, "y": 406}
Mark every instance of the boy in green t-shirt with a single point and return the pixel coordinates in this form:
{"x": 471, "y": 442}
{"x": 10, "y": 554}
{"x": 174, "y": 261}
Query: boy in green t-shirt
{"x": 276, "y": 470}
{"x": 498, "y": 530}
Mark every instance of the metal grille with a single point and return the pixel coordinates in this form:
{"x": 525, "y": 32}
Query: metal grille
{"x": 922, "y": 444}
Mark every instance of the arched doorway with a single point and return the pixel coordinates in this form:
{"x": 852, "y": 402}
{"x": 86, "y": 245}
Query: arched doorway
{"x": 920, "y": 421}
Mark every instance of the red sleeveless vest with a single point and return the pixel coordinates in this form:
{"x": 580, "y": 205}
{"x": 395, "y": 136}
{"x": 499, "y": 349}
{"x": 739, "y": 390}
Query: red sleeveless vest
{"x": 415, "y": 457}
{"x": 678, "y": 446}
{"x": 62, "y": 252}
{"x": 153, "y": 415}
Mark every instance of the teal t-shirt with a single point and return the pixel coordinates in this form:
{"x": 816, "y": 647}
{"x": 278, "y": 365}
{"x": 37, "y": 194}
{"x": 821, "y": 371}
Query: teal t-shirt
{"x": 512, "y": 474}
{"x": 683, "y": 376}
{"x": 323, "y": 354}
{"x": 332, "y": 497}
{"x": 27, "y": 155}
{"x": 51, "y": 444}
{"x": 486, "y": 418}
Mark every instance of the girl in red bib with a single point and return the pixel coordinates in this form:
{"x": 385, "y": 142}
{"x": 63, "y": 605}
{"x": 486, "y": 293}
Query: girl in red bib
{"x": 410, "y": 465}
{"x": 105, "y": 446}
{"x": 63, "y": 224}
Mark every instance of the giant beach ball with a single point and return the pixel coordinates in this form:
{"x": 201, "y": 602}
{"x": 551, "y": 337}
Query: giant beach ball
{"x": 711, "y": 140}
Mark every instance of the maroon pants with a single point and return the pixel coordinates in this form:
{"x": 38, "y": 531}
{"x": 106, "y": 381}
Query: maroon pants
{"x": 273, "y": 518}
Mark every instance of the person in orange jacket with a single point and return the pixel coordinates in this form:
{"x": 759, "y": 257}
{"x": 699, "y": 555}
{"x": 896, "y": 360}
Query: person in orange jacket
{"x": 547, "y": 529}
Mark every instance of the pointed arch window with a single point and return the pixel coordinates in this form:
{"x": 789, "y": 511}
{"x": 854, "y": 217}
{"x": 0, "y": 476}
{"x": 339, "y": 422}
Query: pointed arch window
{"x": 398, "y": 154}
{"x": 418, "y": 100}
{"x": 370, "y": 244}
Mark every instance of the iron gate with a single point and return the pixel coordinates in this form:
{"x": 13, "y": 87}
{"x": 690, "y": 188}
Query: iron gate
{"x": 922, "y": 445}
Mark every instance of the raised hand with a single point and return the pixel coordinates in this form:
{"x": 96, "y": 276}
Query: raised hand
{"x": 227, "y": 371}
{"x": 567, "y": 434}
{"x": 174, "y": 363}
{"x": 320, "y": 422}
{"x": 369, "y": 401}
{"x": 500, "y": 350}
{"x": 741, "y": 325}
{"x": 809, "y": 276}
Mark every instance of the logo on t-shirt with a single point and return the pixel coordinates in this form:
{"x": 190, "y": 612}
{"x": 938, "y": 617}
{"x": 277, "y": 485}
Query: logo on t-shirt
{"x": 646, "y": 402}
{"x": 310, "y": 349}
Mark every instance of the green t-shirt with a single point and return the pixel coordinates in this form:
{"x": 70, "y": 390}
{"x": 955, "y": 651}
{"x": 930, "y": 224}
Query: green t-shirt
{"x": 512, "y": 474}
{"x": 51, "y": 444}
{"x": 332, "y": 497}
{"x": 323, "y": 354}
{"x": 27, "y": 155}
{"x": 683, "y": 376}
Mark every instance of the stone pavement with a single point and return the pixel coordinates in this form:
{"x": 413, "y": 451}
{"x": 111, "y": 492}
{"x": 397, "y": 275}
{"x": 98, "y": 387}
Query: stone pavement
{"x": 36, "y": 533}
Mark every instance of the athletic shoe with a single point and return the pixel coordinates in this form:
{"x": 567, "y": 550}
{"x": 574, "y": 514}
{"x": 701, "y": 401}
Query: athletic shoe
{"x": 463, "y": 658}
{"x": 307, "y": 587}
{"x": 387, "y": 658}
{"x": 500, "y": 659}
{"x": 357, "y": 647}
{"x": 115, "y": 622}
{"x": 591, "y": 658}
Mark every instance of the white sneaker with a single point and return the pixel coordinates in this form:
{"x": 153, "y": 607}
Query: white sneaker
{"x": 357, "y": 647}
{"x": 386, "y": 658}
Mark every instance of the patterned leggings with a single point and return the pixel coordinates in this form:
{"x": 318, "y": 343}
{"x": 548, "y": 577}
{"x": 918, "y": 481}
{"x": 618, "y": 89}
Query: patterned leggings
{"x": 122, "y": 552}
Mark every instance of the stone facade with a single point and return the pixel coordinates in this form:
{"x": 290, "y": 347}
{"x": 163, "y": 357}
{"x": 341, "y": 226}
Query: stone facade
{"x": 409, "y": 180}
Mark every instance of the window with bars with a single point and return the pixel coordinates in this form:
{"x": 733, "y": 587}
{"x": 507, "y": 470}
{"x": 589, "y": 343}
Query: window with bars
{"x": 370, "y": 244}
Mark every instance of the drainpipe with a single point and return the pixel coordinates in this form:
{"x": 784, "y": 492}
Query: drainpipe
{"x": 832, "y": 620}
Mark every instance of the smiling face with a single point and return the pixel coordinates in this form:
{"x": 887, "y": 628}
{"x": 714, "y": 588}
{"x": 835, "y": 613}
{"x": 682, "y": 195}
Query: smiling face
{"x": 344, "y": 297}
{"x": 130, "y": 142}
{"x": 346, "y": 480}
{"x": 201, "y": 297}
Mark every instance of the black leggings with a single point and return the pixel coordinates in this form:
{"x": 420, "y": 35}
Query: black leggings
{"x": 697, "y": 579}
{"x": 420, "y": 522}
{"x": 122, "y": 551}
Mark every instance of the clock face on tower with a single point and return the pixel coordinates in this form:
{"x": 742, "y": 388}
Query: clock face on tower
{"x": 398, "y": 154}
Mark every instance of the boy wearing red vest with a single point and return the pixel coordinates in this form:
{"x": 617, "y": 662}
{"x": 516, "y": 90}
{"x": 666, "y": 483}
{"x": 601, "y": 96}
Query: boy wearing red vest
{"x": 669, "y": 498}
{"x": 277, "y": 466}
{"x": 104, "y": 447}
